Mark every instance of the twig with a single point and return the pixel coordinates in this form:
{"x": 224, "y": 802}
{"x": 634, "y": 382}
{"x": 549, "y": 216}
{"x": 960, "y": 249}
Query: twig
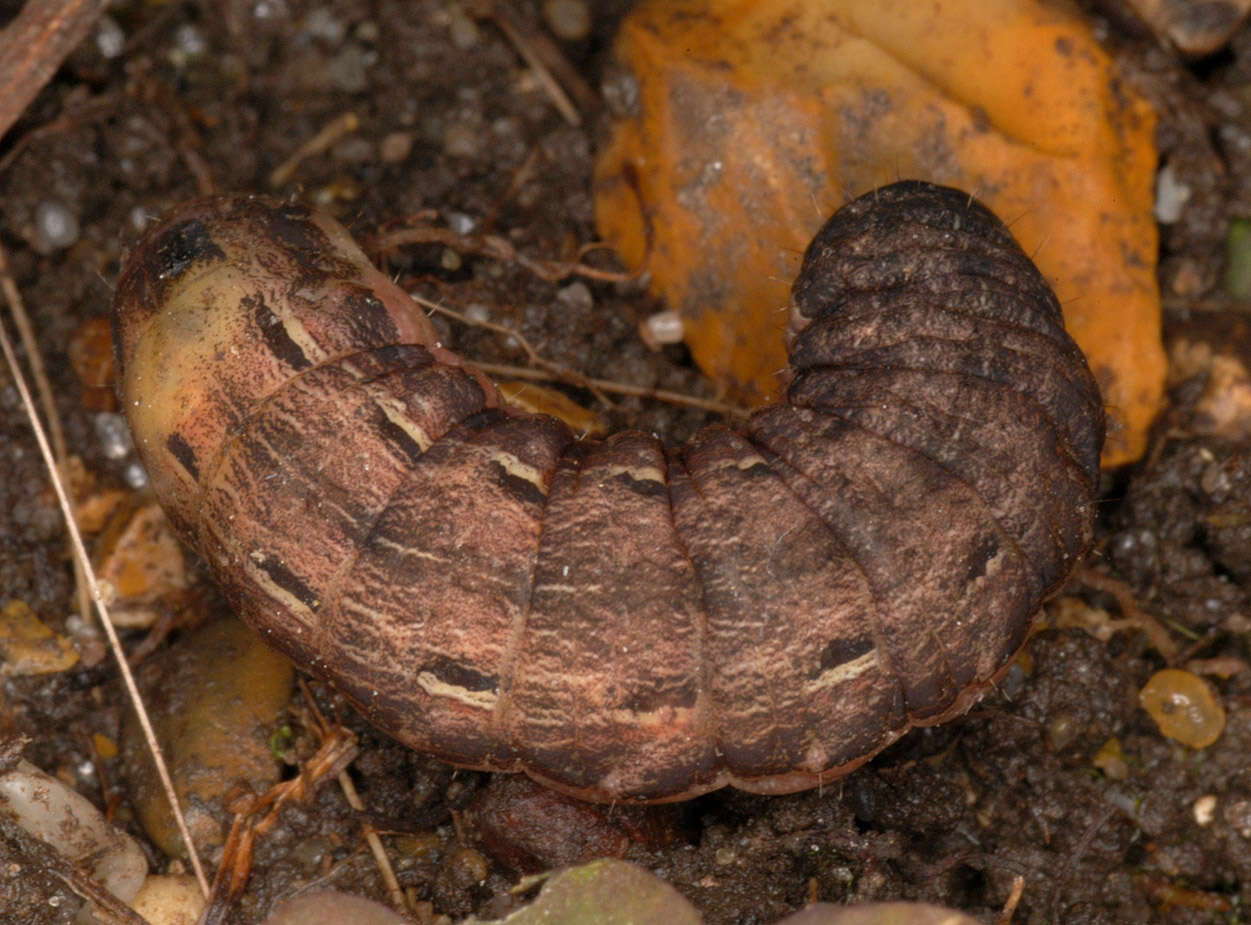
{"x": 33, "y": 46}
{"x": 56, "y": 432}
{"x": 505, "y": 371}
{"x": 394, "y": 892}
{"x": 119, "y": 654}
{"x": 1014, "y": 900}
{"x": 337, "y": 750}
{"x": 1125, "y": 600}
{"x": 538, "y": 53}
{"x": 551, "y": 371}
{"x": 335, "y": 129}
{"x": 499, "y": 248}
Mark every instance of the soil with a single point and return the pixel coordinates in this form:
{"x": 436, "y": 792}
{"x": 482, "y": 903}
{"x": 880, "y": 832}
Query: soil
{"x": 1057, "y": 777}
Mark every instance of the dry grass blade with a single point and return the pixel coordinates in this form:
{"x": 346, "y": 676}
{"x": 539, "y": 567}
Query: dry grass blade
{"x": 550, "y": 371}
{"x": 55, "y": 431}
{"x": 80, "y": 552}
{"x": 499, "y": 248}
{"x": 33, "y": 46}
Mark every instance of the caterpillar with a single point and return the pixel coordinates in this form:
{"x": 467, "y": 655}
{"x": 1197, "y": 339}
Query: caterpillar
{"x": 623, "y": 620}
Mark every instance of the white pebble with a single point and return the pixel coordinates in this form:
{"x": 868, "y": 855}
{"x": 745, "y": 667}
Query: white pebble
{"x": 55, "y": 226}
{"x": 110, "y": 39}
{"x": 1171, "y": 196}
{"x": 666, "y": 327}
{"x": 113, "y": 434}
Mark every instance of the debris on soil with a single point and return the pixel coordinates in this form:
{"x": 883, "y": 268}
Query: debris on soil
{"x": 163, "y": 103}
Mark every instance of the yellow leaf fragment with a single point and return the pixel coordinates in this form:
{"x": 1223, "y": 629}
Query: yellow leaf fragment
{"x": 28, "y": 646}
{"x": 753, "y": 121}
{"x": 539, "y": 399}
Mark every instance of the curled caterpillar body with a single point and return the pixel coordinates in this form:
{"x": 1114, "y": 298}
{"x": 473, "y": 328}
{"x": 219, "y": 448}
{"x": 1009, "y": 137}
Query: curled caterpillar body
{"x": 765, "y": 608}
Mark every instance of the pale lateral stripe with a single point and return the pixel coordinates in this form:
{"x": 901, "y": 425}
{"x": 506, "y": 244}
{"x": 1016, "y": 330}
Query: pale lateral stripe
{"x": 569, "y": 589}
{"x": 435, "y": 686}
{"x": 638, "y": 473}
{"x": 297, "y": 332}
{"x": 397, "y": 415}
{"x": 408, "y": 550}
{"x": 847, "y": 671}
{"x": 515, "y": 467}
{"x": 271, "y": 588}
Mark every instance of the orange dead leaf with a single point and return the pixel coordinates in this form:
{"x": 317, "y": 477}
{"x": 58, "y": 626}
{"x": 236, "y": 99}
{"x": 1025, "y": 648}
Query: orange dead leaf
{"x": 754, "y": 120}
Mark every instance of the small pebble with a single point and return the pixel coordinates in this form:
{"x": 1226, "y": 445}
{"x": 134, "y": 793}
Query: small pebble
{"x": 113, "y": 434}
{"x": 169, "y": 899}
{"x": 568, "y": 19}
{"x": 664, "y": 327}
{"x": 462, "y": 140}
{"x": 1171, "y": 196}
{"x": 576, "y": 295}
{"x": 56, "y": 227}
{"x": 395, "y": 147}
{"x": 461, "y": 223}
{"x": 110, "y": 39}
{"x": 322, "y": 24}
{"x": 349, "y": 69}
{"x": 1205, "y": 809}
{"x": 189, "y": 41}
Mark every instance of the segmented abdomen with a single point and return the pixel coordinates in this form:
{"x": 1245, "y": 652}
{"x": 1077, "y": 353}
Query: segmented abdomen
{"x": 765, "y": 608}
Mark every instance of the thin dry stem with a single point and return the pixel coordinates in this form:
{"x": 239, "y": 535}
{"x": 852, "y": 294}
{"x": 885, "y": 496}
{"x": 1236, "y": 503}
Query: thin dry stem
{"x": 332, "y": 131}
{"x": 56, "y": 433}
{"x": 1131, "y": 611}
{"x": 548, "y": 370}
{"x": 1014, "y": 900}
{"x": 527, "y": 47}
{"x": 381, "y": 858}
{"x": 119, "y": 654}
{"x": 499, "y": 248}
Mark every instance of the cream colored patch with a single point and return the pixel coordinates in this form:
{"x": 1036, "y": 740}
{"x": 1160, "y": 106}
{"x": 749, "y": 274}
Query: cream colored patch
{"x": 408, "y": 550}
{"x": 397, "y": 415}
{"x": 516, "y": 468}
{"x": 272, "y": 589}
{"x": 435, "y": 686}
{"x": 299, "y": 335}
{"x": 838, "y": 674}
{"x": 569, "y": 589}
{"x": 638, "y": 473}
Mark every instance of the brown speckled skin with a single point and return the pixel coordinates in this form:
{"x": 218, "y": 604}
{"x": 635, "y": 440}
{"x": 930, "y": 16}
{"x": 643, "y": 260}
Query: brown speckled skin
{"x": 621, "y": 620}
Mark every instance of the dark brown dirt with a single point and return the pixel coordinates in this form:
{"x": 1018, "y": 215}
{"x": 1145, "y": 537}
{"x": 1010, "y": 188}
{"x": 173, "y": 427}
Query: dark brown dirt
{"x": 949, "y": 815}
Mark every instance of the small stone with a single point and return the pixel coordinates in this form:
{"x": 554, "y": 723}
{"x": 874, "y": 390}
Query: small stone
{"x": 461, "y": 223}
{"x": 110, "y": 39}
{"x": 568, "y": 19}
{"x": 395, "y": 147}
{"x": 349, "y": 69}
{"x": 56, "y": 227}
{"x": 113, "y": 434}
{"x": 1205, "y": 809}
{"x": 322, "y": 24}
{"x": 576, "y": 295}
{"x": 462, "y": 140}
